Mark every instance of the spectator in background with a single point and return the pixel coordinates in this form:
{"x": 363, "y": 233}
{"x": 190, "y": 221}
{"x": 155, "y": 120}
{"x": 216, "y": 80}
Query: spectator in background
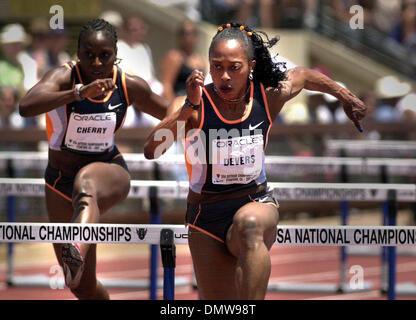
{"x": 135, "y": 57}
{"x": 218, "y": 11}
{"x": 275, "y": 14}
{"x": 140, "y": 60}
{"x": 407, "y": 107}
{"x": 38, "y": 50}
{"x": 48, "y": 46}
{"x": 57, "y": 50}
{"x": 17, "y": 72}
{"x": 18, "y": 69}
{"x": 385, "y": 14}
{"x": 9, "y": 115}
{"x": 404, "y": 32}
{"x": 388, "y": 91}
{"x": 178, "y": 63}
{"x": 407, "y": 110}
{"x": 116, "y": 19}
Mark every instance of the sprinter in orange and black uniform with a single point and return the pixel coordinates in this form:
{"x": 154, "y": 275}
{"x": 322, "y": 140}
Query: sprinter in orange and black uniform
{"x": 232, "y": 222}
{"x": 85, "y": 104}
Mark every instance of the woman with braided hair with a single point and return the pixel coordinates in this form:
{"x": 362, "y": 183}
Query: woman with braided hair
{"x": 85, "y": 104}
{"x": 231, "y": 214}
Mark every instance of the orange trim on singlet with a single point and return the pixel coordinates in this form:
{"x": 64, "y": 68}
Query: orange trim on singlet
{"x": 66, "y": 117}
{"x": 266, "y": 103}
{"x": 49, "y": 127}
{"x": 267, "y": 136}
{"x": 197, "y": 215}
{"x": 206, "y": 232}
{"x": 108, "y": 96}
{"x": 123, "y": 83}
{"x": 58, "y": 192}
{"x": 245, "y": 116}
{"x": 188, "y": 166}
{"x": 57, "y": 179}
{"x": 117, "y": 156}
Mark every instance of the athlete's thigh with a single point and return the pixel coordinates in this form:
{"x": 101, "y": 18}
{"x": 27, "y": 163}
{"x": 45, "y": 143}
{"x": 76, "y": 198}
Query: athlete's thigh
{"x": 111, "y": 183}
{"x": 214, "y": 267}
{"x": 267, "y": 218}
{"x": 59, "y": 209}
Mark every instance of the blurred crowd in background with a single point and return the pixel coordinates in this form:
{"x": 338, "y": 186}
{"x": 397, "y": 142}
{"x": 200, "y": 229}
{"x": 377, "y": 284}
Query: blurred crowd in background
{"x": 26, "y": 54}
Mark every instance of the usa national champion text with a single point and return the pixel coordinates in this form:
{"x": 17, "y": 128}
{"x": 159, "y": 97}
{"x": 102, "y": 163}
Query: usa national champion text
{"x": 325, "y": 236}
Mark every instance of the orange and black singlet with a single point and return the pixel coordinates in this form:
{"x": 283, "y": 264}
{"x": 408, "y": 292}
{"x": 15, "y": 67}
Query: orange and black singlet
{"x": 88, "y": 126}
{"x": 228, "y": 155}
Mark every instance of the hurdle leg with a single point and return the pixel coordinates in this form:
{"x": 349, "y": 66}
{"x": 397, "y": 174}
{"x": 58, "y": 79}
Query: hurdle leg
{"x": 343, "y": 275}
{"x": 154, "y": 257}
{"x": 11, "y": 201}
{"x": 391, "y": 294}
{"x": 168, "y": 252}
{"x": 384, "y": 262}
{"x": 11, "y": 217}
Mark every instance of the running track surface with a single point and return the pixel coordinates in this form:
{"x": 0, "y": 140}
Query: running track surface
{"x": 289, "y": 264}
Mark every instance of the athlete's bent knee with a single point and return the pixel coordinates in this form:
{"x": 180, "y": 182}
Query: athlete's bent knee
{"x": 250, "y": 231}
{"x": 84, "y": 191}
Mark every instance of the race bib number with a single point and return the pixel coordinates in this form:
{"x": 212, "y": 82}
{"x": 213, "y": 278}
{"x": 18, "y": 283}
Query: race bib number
{"x": 92, "y": 132}
{"x": 237, "y": 160}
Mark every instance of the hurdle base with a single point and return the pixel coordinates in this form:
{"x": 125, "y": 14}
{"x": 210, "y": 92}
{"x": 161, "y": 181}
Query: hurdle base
{"x": 316, "y": 287}
{"x": 368, "y": 251}
{"x": 41, "y": 280}
{"x": 406, "y": 289}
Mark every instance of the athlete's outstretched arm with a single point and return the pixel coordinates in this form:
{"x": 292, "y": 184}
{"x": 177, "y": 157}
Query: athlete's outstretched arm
{"x": 180, "y": 116}
{"x": 52, "y": 91}
{"x": 55, "y": 89}
{"x": 304, "y": 78}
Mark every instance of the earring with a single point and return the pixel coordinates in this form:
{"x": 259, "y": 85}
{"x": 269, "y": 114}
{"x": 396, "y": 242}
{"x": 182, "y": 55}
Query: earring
{"x": 250, "y": 76}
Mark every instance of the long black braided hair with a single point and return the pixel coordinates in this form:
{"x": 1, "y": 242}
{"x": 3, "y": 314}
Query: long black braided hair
{"x": 96, "y": 25}
{"x": 266, "y": 71}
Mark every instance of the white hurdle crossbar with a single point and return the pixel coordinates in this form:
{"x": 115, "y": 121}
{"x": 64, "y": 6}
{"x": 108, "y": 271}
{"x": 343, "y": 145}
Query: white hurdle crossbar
{"x": 282, "y": 165}
{"x": 393, "y": 148}
{"x": 287, "y": 191}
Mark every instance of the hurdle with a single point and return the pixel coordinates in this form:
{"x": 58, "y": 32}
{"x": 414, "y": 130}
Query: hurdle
{"x": 380, "y": 148}
{"x": 26, "y": 160}
{"x": 371, "y": 148}
{"x": 282, "y": 165}
{"x": 283, "y": 191}
{"x": 169, "y": 235}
